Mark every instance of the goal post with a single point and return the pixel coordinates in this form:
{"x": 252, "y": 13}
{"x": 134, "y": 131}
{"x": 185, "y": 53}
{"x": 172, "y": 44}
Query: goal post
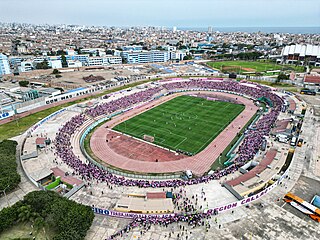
{"x": 148, "y": 138}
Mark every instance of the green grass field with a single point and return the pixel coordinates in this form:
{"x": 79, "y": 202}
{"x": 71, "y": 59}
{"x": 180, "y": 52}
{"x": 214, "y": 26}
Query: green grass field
{"x": 185, "y": 123}
{"x": 248, "y": 66}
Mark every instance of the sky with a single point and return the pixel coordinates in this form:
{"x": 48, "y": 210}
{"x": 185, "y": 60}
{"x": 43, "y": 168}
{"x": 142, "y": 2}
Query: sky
{"x": 180, "y": 13}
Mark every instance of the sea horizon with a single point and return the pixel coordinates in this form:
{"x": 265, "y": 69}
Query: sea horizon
{"x": 292, "y": 30}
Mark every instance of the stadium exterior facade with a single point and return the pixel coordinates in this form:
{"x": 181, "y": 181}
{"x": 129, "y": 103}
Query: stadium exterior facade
{"x": 301, "y": 55}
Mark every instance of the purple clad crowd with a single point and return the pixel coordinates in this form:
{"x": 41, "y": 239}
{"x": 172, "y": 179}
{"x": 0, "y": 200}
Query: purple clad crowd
{"x": 193, "y": 220}
{"x": 246, "y": 151}
{"x": 122, "y": 103}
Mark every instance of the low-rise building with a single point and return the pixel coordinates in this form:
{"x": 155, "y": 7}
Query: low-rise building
{"x": 312, "y": 82}
{"x": 4, "y": 65}
{"x": 110, "y": 59}
{"x": 74, "y": 64}
{"x": 55, "y": 64}
{"x": 95, "y": 61}
{"x": 26, "y": 66}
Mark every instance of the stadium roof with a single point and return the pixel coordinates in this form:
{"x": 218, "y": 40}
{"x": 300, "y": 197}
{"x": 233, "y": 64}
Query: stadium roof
{"x": 302, "y": 50}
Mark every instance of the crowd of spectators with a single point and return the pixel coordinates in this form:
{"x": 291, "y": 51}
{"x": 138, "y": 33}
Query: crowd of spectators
{"x": 246, "y": 151}
{"x": 145, "y": 222}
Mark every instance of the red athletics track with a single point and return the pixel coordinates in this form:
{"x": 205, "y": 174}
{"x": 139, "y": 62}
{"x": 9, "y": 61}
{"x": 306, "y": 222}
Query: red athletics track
{"x": 198, "y": 164}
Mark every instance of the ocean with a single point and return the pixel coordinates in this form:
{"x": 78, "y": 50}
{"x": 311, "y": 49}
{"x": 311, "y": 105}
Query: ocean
{"x": 293, "y": 30}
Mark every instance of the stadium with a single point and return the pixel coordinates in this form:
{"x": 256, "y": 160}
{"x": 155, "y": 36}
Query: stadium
{"x": 154, "y": 147}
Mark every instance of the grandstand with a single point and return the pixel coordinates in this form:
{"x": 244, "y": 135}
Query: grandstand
{"x": 301, "y": 54}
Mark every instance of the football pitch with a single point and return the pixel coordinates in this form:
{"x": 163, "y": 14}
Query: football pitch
{"x": 184, "y": 123}
{"x": 252, "y": 66}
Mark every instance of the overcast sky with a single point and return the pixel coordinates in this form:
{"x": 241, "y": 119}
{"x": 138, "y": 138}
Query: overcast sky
{"x": 187, "y": 13}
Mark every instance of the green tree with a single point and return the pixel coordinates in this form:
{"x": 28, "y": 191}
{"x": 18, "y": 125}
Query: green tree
{"x": 64, "y": 61}
{"x": 55, "y": 71}
{"x": 282, "y": 76}
{"x": 26, "y": 214}
{"x": 43, "y": 65}
{"x": 187, "y": 57}
{"x": 9, "y": 179}
{"x": 23, "y": 83}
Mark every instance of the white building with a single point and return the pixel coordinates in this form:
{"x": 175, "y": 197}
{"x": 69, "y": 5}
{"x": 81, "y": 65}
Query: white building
{"x": 4, "y": 65}
{"x": 74, "y": 64}
{"x": 178, "y": 55}
{"x": 95, "y": 61}
{"x": 145, "y": 56}
{"x": 94, "y": 51}
{"x": 71, "y": 52}
{"x": 301, "y": 54}
{"x": 84, "y": 58}
{"x": 55, "y": 64}
{"x": 38, "y": 60}
{"x": 26, "y": 66}
{"x": 110, "y": 59}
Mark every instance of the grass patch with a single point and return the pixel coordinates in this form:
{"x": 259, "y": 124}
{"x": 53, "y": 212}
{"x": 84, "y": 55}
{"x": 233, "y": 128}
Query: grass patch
{"x": 252, "y": 66}
{"x": 185, "y": 123}
{"x": 285, "y": 86}
{"x": 17, "y": 127}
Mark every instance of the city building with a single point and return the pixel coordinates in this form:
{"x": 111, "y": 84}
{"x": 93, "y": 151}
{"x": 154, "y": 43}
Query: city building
{"x": 178, "y": 55}
{"x": 110, "y": 59}
{"x": 4, "y": 65}
{"x": 74, "y": 64}
{"x": 26, "y": 66}
{"x": 145, "y": 56}
{"x": 301, "y": 54}
{"x": 132, "y": 48}
{"x": 84, "y": 58}
{"x": 55, "y": 64}
{"x": 95, "y": 61}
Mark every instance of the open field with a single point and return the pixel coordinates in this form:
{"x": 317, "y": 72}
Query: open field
{"x": 185, "y": 123}
{"x": 248, "y": 66}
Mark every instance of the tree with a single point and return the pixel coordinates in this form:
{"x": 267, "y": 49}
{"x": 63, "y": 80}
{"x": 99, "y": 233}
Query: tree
{"x": 61, "y": 52}
{"x": 187, "y": 57}
{"x": 23, "y": 83}
{"x": 26, "y": 214}
{"x": 110, "y": 52}
{"x": 55, "y": 71}
{"x": 64, "y": 61}
{"x": 68, "y": 219}
{"x": 282, "y": 76}
{"x": 43, "y": 65}
{"x": 8, "y": 166}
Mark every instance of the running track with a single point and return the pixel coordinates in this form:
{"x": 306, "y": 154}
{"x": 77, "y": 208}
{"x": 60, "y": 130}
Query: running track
{"x": 198, "y": 164}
